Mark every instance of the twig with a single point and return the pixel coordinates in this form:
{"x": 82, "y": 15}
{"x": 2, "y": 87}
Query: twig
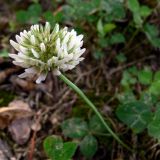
{"x": 33, "y": 139}
{"x": 129, "y": 64}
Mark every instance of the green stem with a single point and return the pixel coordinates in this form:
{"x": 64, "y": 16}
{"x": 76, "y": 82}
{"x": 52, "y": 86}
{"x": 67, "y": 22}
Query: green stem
{"x": 101, "y": 134}
{"x": 93, "y": 107}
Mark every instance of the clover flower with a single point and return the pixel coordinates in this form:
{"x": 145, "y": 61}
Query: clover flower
{"x": 41, "y": 50}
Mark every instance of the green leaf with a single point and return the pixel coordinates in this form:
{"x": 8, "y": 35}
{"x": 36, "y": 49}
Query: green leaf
{"x": 57, "y": 150}
{"x": 133, "y": 5}
{"x": 117, "y": 38}
{"x": 127, "y": 79}
{"x": 145, "y": 11}
{"x": 155, "y": 88}
{"x": 151, "y": 30}
{"x": 136, "y": 115}
{"x": 73, "y": 2}
{"x": 4, "y": 53}
{"x": 34, "y": 12}
{"x": 103, "y": 41}
{"x": 95, "y": 125}
{"x": 157, "y": 76}
{"x": 68, "y": 12}
{"x": 109, "y": 27}
{"x": 48, "y": 15}
{"x": 35, "y": 1}
{"x": 152, "y": 33}
{"x": 100, "y": 28}
{"x": 53, "y": 19}
{"x": 22, "y": 16}
{"x": 69, "y": 149}
{"x": 115, "y": 10}
{"x": 118, "y": 10}
{"x": 53, "y": 146}
{"x": 137, "y": 19}
{"x": 84, "y": 9}
{"x": 148, "y": 98}
{"x": 74, "y": 128}
{"x": 126, "y": 97}
{"x": 133, "y": 70}
{"x": 121, "y": 58}
{"x": 155, "y": 85}
{"x": 145, "y": 76}
{"x": 154, "y": 125}
{"x": 58, "y": 17}
{"x": 88, "y": 146}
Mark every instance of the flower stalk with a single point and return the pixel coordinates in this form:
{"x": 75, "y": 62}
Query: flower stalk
{"x": 93, "y": 107}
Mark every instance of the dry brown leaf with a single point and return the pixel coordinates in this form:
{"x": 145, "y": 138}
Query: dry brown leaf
{"x": 36, "y": 126}
{"x": 20, "y": 130}
{"x": 15, "y": 110}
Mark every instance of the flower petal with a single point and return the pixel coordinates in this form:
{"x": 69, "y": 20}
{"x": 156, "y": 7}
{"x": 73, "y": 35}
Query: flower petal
{"x": 15, "y": 45}
{"x": 43, "y": 47}
{"x": 35, "y": 53}
{"x": 41, "y": 78}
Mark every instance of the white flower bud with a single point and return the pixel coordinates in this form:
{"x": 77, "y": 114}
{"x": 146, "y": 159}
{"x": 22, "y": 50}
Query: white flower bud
{"x": 43, "y": 47}
{"x": 15, "y": 45}
{"x": 19, "y": 39}
{"x": 42, "y": 77}
{"x": 33, "y": 39}
{"x": 35, "y": 53}
{"x": 47, "y": 28}
{"x": 23, "y": 49}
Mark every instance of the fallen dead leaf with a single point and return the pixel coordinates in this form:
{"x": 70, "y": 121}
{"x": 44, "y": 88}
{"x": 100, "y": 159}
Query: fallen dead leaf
{"x": 36, "y": 126}
{"x": 15, "y": 110}
{"x": 20, "y": 130}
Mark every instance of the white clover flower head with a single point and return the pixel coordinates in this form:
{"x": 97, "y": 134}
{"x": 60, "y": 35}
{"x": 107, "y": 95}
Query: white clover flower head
{"x": 41, "y": 50}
